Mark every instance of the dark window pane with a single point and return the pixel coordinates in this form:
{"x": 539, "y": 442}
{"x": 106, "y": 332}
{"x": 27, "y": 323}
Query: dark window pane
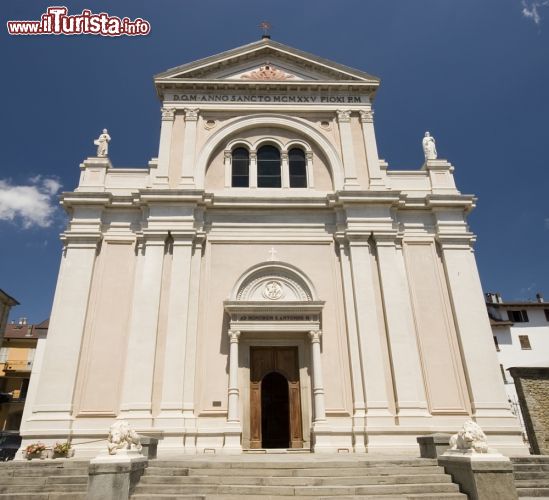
{"x": 524, "y": 342}
{"x": 240, "y": 168}
{"x": 268, "y": 167}
{"x": 298, "y": 168}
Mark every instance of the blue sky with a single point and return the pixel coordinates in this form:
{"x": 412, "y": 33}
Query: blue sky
{"x": 476, "y": 74}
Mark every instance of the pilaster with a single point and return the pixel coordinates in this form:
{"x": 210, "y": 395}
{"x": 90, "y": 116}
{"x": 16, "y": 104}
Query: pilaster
{"x": 349, "y": 167}
{"x": 54, "y": 397}
{"x": 161, "y": 178}
{"x": 408, "y": 380}
{"x": 189, "y": 147}
{"x": 228, "y": 164}
{"x": 357, "y": 383}
{"x": 138, "y": 380}
{"x": 372, "y": 159}
{"x": 171, "y": 404}
{"x": 285, "y": 170}
{"x": 488, "y": 398}
{"x": 253, "y": 169}
{"x": 369, "y": 332}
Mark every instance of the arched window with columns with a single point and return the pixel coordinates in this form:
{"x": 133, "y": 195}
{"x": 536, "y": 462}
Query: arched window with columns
{"x": 268, "y": 167}
{"x": 298, "y": 168}
{"x": 240, "y": 163}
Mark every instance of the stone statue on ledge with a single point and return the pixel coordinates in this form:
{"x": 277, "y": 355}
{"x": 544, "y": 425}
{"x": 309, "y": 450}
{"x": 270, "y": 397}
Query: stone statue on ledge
{"x": 102, "y": 143}
{"x": 122, "y": 437}
{"x": 429, "y": 147}
{"x": 470, "y": 438}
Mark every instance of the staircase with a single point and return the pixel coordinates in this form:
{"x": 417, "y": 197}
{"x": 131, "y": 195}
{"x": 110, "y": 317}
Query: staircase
{"x": 57, "y": 479}
{"x": 289, "y": 477}
{"x": 532, "y": 476}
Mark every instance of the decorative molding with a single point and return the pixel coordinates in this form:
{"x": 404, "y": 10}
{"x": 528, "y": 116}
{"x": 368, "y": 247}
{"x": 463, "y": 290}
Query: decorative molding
{"x": 191, "y": 114}
{"x": 289, "y": 286}
{"x": 273, "y": 290}
{"x": 367, "y": 116}
{"x": 234, "y": 336}
{"x": 343, "y": 115}
{"x": 267, "y": 72}
{"x": 168, "y": 114}
{"x": 314, "y": 336}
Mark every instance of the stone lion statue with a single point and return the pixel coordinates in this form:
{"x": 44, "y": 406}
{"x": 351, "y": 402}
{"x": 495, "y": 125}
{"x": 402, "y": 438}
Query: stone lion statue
{"x": 122, "y": 436}
{"x": 470, "y": 437}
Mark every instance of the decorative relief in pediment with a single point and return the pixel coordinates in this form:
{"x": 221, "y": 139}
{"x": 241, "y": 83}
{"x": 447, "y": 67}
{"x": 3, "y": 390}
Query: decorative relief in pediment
{"x": 267, "y": 72}
{"x": 273, "y": 287}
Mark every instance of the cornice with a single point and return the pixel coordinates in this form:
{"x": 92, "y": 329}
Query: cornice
{"x": 464, "y": 202}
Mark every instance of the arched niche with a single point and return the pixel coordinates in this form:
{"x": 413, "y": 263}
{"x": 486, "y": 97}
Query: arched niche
{"x": 295, "y": 126}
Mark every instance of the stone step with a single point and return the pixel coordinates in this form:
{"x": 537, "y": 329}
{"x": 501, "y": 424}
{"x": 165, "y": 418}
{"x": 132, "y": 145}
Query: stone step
{"x": 531, "y": 475}
{"x": 305, "y": 472}
{"x": 392, "y": 489}
{"x": 285, "y": 464}
{"x": 57, "y": 463}
{"x": 528, "y": 459}
{"x": 42, "y": 488}
{"x": 531, "y": 467}
{"x": 533, "y": 492}
{"x": 43, "y": 496}
{"x": 297, "y": 481}
{"x": 35, "y": 480}
{"x": 419, "y": 496}
{"x": 532, "y": 483}
{"x": 42, "y": 472}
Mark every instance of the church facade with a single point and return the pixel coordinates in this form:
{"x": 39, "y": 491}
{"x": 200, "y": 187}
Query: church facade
{"x": 267, "y": 281}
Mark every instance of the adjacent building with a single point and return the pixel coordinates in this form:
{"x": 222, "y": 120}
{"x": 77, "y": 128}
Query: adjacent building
{"x": 268, "y": 281}
{"x": 17, "y": 353}
{"x": 6, "y": 303}
{"x": 521, "y": 335}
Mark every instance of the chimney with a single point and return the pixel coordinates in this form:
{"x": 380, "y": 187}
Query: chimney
{"x": 492, "y": 298}
{"x": 22, "y": 321}
{"x": 539, "y": 298}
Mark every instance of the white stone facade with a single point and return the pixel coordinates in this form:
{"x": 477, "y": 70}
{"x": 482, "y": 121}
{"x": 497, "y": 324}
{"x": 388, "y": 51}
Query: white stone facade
{"x": 170, "y": 276}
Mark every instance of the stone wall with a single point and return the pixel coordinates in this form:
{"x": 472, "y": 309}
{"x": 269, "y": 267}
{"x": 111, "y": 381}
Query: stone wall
{"x": 533, "y": 391}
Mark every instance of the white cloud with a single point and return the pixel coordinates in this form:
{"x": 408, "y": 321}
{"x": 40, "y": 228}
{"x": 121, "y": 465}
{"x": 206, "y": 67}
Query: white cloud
{"x": 32, "y": 205}
{"x": 530, "y": 9}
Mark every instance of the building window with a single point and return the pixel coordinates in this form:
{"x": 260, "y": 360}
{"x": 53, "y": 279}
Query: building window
{"x": 518, "y": 316}
{"x": 546, "y": 311}
{"x": 496, "y": 343}
{"x": 268, "y": 167}
{"x": 298, "y": 168}
{"x": 524, "y": 342}
{"x": 240, "y": 168}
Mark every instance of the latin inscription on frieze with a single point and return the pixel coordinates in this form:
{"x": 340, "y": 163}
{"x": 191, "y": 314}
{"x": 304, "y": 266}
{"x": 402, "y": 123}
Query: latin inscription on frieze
{"x": 269, "y": 98}
{"x": 278, "y": 317}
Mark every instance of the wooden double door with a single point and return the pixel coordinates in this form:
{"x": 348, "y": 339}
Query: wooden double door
{"x": 275, "y": 398}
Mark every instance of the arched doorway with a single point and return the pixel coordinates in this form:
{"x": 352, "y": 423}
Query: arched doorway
{"x": 275, "y": 411}
{"x": 275, "y": 398}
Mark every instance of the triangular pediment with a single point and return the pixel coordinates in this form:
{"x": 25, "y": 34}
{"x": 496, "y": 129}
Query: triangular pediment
{"x": 266, "y": 61}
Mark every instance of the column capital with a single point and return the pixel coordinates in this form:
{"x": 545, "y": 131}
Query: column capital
{"x": 253, "y": 155}
{"x": 314, "y": 336}
{"x": 386, "y": 239}
{"x": 284, "y": 156}
{"x": 234, "y": 335}
{"x": 343, "y": 115}
{"x": 309, "y": 155}
{"x": 191, "y": 114}
{"x": 227, "y": 155}
{"x": 367, "y": 116}
{"x": 168, "y": 114}
{"x": 455, "y": 242}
